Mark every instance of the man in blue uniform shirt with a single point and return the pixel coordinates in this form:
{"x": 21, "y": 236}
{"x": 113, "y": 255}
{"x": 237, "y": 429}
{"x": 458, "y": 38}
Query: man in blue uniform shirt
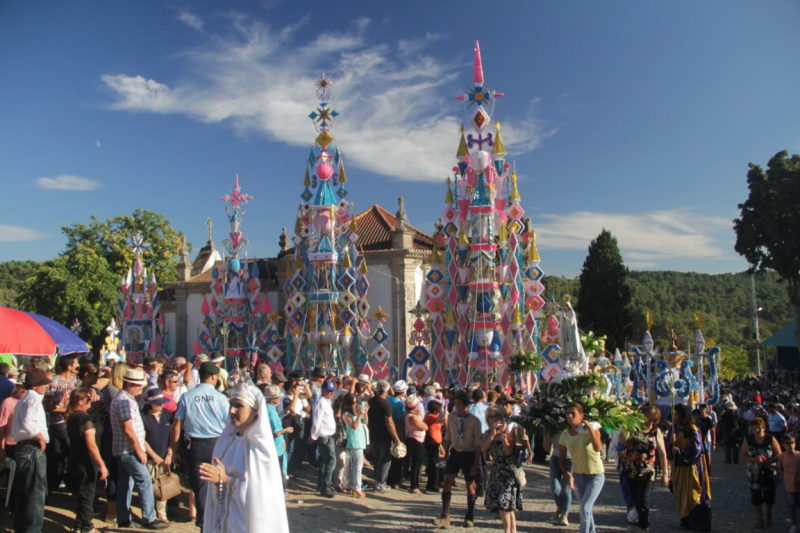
{"x": 201, "y": 414}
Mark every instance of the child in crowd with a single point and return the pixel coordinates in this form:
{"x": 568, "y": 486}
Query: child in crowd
{"x": 788, "y": 462}
{"x": 433, "y": 443}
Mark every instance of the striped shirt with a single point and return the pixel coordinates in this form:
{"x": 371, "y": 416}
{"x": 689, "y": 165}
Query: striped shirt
{"x": 124, "y": 407}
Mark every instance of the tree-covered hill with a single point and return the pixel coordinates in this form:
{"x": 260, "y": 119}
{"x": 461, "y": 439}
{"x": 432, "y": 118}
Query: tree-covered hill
{"x": 672, "y": 298}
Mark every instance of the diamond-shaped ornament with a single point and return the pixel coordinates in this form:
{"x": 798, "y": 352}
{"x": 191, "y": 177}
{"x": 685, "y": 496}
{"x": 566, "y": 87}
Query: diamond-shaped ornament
{"x": 306, "y": 195}
{"x": 298, "y": 282}
{"x": 346, "y": 316}
{"x": 380, "y": 336}
{"x": 362, "y": 285}
{"x": 346, "y": 298}
{"x": 435, "y": 276}
{"x": 435, "y": 305}
{"x": 434, "y": 291}
{"x": 515, "y": 211}
{"x": 346, "y": 280}
{"x": 420, "y": 373}
{"x": 480, "y": 119}
{"x": 324, "y": 139}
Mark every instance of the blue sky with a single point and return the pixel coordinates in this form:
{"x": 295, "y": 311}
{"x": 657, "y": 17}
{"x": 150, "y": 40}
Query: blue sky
{"x": 640, "y": 117}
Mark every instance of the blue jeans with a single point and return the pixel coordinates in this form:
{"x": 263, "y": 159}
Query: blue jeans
{"x": 29, "y": 489}
{"x": 132, "y": 471}
{"x": 381, "y": 461}
{"x": 588, "y": 487}
{"x": 559, "y": 486}
{"x": 327, "y": 462}
{"x": 356, "y": 465}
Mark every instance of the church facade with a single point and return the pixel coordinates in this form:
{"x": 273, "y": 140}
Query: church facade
{"x": 397, "y": 257}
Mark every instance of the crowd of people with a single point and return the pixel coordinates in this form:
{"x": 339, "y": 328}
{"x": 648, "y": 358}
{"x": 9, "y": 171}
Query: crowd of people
{"x": 238, "y": 437}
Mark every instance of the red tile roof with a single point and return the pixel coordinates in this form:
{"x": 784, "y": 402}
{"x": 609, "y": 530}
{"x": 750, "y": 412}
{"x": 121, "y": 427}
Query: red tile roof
{"x": 375, "y": 227}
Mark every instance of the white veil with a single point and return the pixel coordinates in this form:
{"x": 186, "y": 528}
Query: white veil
{"x": 253, "y": 499}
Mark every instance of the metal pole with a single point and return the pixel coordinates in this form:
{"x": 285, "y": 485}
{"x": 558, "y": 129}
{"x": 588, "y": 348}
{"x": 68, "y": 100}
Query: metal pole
{"x": 755, "y": 325}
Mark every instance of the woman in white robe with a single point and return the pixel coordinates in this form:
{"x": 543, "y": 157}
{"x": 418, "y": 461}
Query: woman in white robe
{"x": 246, "y": 491}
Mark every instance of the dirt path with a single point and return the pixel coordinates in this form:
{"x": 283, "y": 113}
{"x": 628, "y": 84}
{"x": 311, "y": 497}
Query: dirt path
{"x": 399, "y": 511}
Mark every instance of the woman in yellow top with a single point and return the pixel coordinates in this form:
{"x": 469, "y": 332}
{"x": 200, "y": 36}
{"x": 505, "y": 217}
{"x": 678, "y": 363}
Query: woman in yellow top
{"x": 582, "y": 441}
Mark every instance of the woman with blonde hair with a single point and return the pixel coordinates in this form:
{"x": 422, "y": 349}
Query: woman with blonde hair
{"x": 84, "y": 458}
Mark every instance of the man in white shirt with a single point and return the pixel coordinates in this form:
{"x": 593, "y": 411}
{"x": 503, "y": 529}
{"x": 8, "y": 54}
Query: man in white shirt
{"x": 29, "y": 429}
{"x": 323, "y": 429}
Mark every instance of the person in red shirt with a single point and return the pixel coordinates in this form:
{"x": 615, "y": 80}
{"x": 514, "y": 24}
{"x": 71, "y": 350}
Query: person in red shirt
{"x": 433, "y": 443}
{"x": 168, "y": 383}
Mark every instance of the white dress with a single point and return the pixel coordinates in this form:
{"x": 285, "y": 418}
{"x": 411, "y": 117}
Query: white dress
{"x": 252, "y": 499}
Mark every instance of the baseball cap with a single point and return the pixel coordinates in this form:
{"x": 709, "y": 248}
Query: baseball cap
{"x": 155, "y": 397}
{"x": 328, "y": 386}
{"x": 209, "y": 368}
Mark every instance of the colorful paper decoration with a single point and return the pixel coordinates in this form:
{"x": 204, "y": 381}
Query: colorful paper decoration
{"x": 234, "y": 315}
{"x": 326, "y": 289}
{"x": 483, "y": 290}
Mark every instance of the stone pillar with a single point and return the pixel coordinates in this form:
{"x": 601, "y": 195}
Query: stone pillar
{"x": 181, "y": 323}
{"x": 403, "y": 267}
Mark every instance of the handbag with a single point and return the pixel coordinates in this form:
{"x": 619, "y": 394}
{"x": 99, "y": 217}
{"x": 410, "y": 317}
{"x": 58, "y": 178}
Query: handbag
{"x": 519, "y": 474}
{"x": 166, "y": 485}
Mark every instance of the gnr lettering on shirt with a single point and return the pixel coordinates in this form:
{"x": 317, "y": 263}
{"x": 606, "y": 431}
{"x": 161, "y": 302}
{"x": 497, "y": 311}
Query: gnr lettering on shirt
{"x": 206, "y": 399}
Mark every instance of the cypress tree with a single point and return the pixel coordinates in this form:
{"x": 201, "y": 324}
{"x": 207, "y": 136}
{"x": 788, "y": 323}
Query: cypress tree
{"x": 604, "y": 297}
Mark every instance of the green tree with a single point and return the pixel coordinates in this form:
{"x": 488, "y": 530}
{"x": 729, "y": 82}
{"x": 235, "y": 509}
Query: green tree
{"x": 83, "y": 282}
{"x": 735, "y": 361}
{"x": 604, "y": 297}
{"x": 12, "y": 277}
{"x": 768, "y": 229}
{"x": 78, "y": 284}
{"x": 111, "y": 238}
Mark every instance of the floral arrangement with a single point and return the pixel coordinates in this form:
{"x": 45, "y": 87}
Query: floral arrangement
{"x": 547, "y": 409}
{"x": 525, "y": 361}
{"x": 593, "y": 343}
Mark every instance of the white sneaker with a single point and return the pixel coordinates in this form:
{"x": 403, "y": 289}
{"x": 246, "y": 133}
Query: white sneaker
{"x": 633, "y": 516}
{"x": 564, "y": 521}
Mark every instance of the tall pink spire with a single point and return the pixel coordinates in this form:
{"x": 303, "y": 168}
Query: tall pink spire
{"x": 478, "y": 73}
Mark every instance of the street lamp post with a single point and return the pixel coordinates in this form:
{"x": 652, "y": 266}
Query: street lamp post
{"x": 755, "y": 310}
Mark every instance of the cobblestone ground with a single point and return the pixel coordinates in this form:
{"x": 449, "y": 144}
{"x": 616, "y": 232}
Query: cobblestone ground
{"x": 399, "y": 511}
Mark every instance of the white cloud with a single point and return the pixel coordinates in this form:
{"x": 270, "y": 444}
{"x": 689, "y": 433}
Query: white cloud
{"x": 390, "y": 96}
{"x": 18, "y": 234}
{"x": 97, "y": 144}
{"x": 191, "y": 20}
{"x": 66, "y": 182}
{"x": 646, "y": 239}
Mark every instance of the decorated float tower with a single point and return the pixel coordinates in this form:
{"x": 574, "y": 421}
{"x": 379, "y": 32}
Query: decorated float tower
{"x": 326, "y": 283}
{"x": 484, "y": 287}
{"x": 143, "y": 331}
{"x": 235, "y": 314}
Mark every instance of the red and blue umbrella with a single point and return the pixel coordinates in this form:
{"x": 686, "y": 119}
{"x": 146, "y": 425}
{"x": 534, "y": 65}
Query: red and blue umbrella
{"x": 31, "y": 334}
